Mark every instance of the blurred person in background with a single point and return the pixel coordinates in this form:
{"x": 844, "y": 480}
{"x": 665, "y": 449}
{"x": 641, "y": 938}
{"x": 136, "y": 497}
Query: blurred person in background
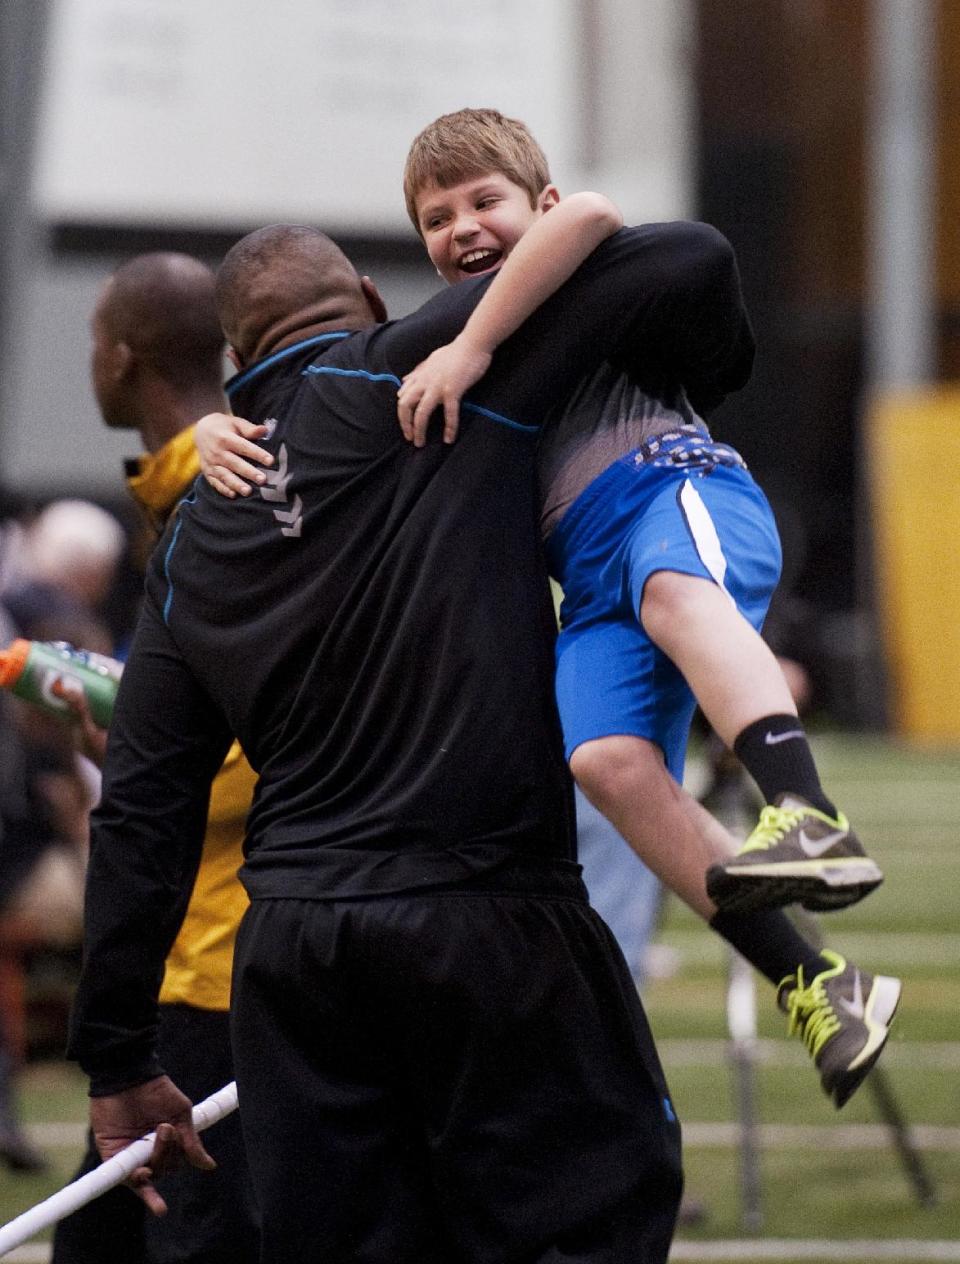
{"x": 64, "y": 562}
{"x": 57, "y": 567}
{"x": 17, "y": 856}
{"x": 157, "y": 364}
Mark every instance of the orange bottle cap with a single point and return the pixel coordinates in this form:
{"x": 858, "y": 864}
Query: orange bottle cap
{"x": 12, "y": 662}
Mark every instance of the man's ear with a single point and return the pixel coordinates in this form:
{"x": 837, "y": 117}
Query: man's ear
{"x": 549, "y": 196}
{"x": 121, "y": 361}
{"x": 234, "y": 357}
{"x": 374, "y": 301}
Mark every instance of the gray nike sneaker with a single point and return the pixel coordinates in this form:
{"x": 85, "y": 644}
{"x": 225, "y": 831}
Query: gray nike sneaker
{"x": 843, "y": 1017}
{"x": 795, "y": 855}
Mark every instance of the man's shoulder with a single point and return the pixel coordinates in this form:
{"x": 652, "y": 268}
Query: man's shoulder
{"x": 399, "y": 345}
{"x": 683, "y": 241}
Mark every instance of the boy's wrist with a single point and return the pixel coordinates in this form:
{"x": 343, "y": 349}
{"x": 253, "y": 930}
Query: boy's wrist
{"x": 474, "y": 343}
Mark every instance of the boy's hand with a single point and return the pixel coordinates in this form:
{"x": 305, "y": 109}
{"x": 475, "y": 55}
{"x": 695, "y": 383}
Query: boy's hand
{"x": 124, "y": 1117}
{"x": 440, "y": 379}
{"x": 226, "y": 448}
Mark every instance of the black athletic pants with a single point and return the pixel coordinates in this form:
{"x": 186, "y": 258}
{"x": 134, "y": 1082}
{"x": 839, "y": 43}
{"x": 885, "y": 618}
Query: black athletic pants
{"x": 212, "y": 1219}
{"x": 456, "y": 1078}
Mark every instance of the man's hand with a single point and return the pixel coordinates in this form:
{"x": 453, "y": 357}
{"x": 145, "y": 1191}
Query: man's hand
{"x": 89, "y": 738}
{"x": 124, "y": 1117}
{"x": 440, "y": 379}
{"x": 226, "y": 447}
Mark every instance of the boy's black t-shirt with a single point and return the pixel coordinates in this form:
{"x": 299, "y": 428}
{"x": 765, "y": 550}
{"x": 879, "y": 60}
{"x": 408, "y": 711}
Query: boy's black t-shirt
{"x": 374, "y": 625}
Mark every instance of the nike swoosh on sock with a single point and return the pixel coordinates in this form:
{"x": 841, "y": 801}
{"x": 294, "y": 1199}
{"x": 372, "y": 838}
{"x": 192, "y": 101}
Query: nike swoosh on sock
{"x": 774, "y": 739}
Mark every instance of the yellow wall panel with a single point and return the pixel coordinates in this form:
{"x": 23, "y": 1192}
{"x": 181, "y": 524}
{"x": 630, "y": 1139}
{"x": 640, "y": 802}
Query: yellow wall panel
{"x": 914, "y": 462}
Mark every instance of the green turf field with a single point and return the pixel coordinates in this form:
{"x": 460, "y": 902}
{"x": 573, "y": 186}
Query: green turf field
{"x": 839, "y": 1177}
{"x": 832, "y": 1186}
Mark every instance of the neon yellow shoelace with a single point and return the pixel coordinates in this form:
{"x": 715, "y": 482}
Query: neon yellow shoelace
{"x": 811, "y": 1014}
{"x": 773, "y": 825}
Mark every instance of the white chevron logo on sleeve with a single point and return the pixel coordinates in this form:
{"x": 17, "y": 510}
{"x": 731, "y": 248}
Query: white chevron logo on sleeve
{"x": 275, "y": 486}
{"x": 275, "y": 490}
{"x": 293, "y": 516}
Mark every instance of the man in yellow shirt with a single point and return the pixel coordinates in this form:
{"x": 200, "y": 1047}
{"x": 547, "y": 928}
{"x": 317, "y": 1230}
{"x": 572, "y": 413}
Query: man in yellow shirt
{"x": 157, "y": 365}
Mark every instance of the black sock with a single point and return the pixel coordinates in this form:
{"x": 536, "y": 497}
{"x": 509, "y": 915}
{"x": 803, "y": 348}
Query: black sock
{"x": 771, "y": 943}
{"x": 777, "y": 755}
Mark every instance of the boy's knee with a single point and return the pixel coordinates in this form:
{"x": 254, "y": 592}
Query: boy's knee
{"x": 608, "y": 768}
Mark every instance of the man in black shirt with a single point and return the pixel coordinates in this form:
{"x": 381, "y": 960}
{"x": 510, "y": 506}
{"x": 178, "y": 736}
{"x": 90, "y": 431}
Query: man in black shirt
{"x": 439, "y": 1051}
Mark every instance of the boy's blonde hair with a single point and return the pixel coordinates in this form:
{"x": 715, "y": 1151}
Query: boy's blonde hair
{"x": 470, "y": 143}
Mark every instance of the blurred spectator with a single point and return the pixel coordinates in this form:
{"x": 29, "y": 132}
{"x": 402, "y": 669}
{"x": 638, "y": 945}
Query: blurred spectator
{"x": 61, "y": 572}
{"x": 55, "y": 570}
{"x": 60, "y": 565}
{"x": 16, "y": 858}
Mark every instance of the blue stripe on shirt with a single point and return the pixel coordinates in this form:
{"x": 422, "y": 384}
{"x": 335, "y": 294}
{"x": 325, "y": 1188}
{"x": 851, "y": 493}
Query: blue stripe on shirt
{"x": 371, "y": 377}
{"x": 391, "y": 377}
{"x": 247, "y": 375}
{"x": 168, "y": 556}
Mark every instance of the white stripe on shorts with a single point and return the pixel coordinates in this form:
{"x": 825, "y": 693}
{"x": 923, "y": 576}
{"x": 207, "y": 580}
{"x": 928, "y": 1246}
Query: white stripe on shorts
{"x": 705, "y": 538}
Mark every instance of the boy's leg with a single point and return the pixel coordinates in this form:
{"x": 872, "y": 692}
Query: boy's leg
{"x": 676, "y": 837}
{"x": 737, "y": 680}
{"x": 611, "y": 680}
{"x": 623, "y": 890}
{"x": 733, "y": 673}
{"x": 625, "y": 778}
{"x": 702, "y": 599}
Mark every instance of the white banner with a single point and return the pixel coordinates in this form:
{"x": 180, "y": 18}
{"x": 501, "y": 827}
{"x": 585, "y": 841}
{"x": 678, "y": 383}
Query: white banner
{"x": 209, "y": 113}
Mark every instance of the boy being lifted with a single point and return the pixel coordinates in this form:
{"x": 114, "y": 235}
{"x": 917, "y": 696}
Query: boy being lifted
{"x": 667, "y": 553}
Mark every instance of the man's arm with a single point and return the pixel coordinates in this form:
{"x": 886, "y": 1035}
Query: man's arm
{"x": 702, "y": 336}
{"x": 166, "y": 741}
{"x": 661, "y": 299}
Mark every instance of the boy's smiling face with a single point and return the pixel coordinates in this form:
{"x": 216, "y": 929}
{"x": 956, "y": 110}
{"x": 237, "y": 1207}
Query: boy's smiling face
{"x": 471, "y": 227}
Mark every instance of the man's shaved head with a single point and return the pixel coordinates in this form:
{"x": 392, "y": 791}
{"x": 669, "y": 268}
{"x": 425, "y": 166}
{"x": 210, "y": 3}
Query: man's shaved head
{"x": 156, "y": 336}
{"x": 281, "y": 279}
{"x": 163, "y": 307}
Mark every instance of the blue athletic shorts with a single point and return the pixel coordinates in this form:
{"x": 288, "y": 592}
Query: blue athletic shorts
{"x": 680, "y": 504}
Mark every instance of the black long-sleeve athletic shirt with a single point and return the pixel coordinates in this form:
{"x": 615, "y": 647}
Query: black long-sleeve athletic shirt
{"x": 373, "y": 625}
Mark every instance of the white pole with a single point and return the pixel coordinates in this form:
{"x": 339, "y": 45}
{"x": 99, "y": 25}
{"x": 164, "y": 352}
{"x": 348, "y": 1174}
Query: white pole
{"x": 902, "y": 202}
{"x": 113, "y": 1172}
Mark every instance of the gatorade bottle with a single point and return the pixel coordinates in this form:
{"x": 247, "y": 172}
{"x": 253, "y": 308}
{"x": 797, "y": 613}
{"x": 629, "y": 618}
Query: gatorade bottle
{"x": 30, "y": 669}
